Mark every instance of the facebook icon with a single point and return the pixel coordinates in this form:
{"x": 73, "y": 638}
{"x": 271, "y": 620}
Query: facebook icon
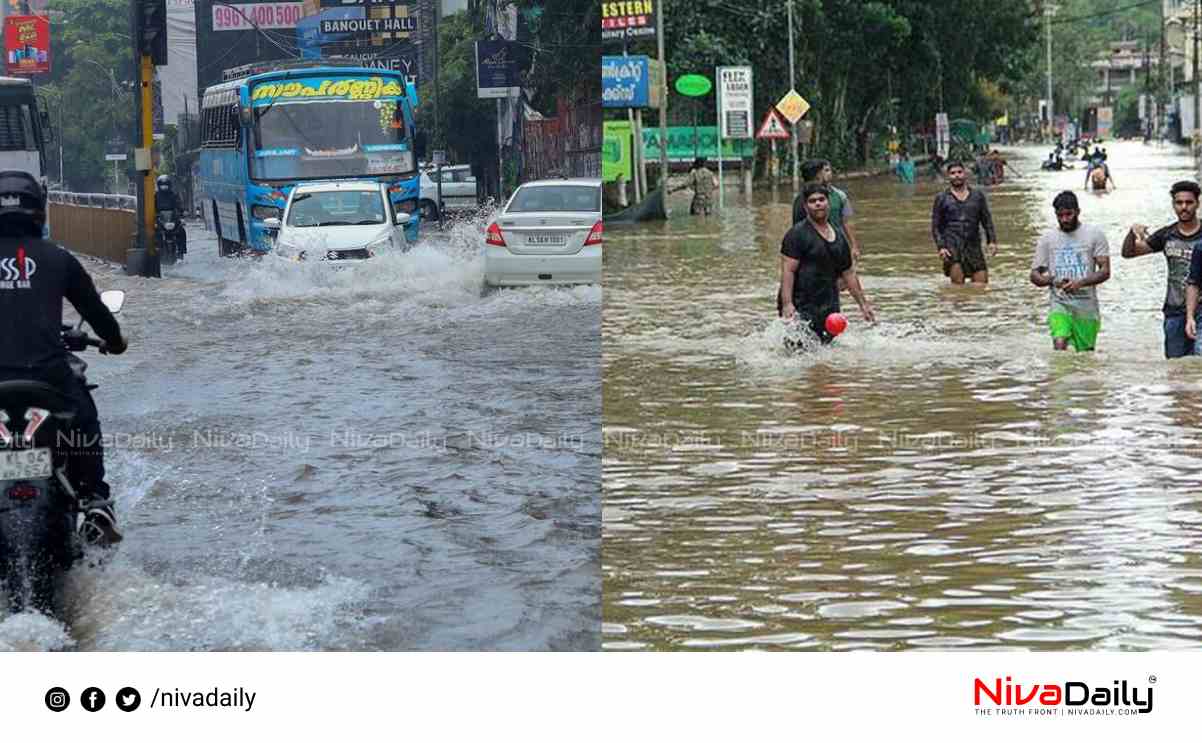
{"x": 92, "y": 699}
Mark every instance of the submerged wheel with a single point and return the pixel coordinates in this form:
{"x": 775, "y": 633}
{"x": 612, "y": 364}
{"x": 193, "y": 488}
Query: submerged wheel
{"x": 429, "y": 211}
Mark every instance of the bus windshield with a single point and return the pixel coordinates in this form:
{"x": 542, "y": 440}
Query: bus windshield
{"x": 330, "y": 138}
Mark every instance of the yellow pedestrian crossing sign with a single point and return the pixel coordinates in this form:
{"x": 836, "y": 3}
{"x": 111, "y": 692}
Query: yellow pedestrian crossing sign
{"x": 792, "y": 106}
{"x": 773, "y": 127}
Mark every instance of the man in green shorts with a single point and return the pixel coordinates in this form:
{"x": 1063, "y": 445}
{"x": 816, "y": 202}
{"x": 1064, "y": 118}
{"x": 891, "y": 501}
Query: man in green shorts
{"x": 1071, "y": 261}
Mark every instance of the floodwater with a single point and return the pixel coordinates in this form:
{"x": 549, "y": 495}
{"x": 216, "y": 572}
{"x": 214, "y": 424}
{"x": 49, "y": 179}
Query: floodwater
{"x": 941, "y": 480}
{"x": 376, "y": 457}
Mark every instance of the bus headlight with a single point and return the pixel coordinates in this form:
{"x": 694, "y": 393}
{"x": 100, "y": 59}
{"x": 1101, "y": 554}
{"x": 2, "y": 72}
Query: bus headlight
{"x": 263, "y": 211}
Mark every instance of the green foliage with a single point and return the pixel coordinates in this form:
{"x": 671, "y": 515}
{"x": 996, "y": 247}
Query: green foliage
{"x": 562, "y": 54}
{"x": 467, "y": 124}
{"x": 90, "y": 50}
{"x": 861, "y": 65}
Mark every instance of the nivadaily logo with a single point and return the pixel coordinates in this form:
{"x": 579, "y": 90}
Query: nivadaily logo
{"x": 1064, "y": 698}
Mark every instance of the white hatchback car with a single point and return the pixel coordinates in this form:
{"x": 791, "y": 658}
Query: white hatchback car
{"x": 550, "y": 232}
{"x": 339, "y": 220}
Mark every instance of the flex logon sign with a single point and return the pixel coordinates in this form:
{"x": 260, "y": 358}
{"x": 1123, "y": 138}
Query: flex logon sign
{"x": 1067, "y": 698}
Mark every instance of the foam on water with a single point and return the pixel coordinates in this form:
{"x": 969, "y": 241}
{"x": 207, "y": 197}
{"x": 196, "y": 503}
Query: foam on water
{"x": 119, "y": 605}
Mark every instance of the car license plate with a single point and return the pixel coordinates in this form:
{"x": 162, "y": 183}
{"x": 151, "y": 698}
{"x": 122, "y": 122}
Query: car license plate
{"x": 26, "y": 464}
{"x": 551, "y": 239}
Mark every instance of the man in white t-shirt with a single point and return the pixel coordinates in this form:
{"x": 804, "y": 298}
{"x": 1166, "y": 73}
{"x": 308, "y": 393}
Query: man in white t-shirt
{"x": 1071, "y": 261}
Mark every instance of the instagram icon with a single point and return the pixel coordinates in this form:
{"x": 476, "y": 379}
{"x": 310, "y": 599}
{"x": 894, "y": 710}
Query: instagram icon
{"x": 57, "y": 699}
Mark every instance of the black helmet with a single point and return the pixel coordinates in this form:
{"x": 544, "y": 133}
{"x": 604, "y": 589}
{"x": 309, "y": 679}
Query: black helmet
{"x": 22, "y": 198}
{"x": 164, "y": 182}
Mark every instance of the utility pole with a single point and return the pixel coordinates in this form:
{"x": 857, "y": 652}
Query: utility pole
{"x": 1048, "y": 14}
{"x": 793, "y": 86}
{"x": 663, "y": 101}
{"x": 437, "y": 122}
{"x": 1160, "y": 78}
{"x": 1197, "y": 88}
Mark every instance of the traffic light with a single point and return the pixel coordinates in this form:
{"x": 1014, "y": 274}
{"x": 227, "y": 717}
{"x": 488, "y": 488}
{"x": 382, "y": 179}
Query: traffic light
{"x": 152, "y": 29}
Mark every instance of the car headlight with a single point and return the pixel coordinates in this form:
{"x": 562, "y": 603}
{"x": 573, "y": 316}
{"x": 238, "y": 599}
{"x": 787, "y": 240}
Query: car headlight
{"x": 384, "y": 243}
{"x": 263, "y": 211}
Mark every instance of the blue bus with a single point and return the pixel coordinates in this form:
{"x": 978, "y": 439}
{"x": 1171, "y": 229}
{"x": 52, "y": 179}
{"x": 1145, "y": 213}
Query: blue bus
{"x": 268, "y": 131}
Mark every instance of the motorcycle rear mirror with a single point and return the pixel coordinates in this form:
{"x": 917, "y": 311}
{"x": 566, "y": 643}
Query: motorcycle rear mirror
{"x": 113, "y": 299}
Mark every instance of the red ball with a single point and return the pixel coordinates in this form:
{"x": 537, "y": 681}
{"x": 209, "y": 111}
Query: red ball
{"x": 836, "y": 323}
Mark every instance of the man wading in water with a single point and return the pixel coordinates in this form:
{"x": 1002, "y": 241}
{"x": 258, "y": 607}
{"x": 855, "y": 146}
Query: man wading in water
{"x": 1178, "y": 241}
{"x": 1071, "y": 260}
{"x": 703, "y": 182}
{"x": 956, "y": 221}
{"x": 815, "y": 257}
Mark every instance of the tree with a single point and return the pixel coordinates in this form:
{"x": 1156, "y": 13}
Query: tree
{"x": 467, "y": 125}
{"x": 87, "y": 89}
{"x": 862, "y": 65}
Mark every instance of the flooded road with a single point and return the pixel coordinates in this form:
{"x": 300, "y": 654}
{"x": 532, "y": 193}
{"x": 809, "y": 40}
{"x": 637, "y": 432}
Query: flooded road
{"x": 941, "y": 480}
{"x": 377, "y": 457}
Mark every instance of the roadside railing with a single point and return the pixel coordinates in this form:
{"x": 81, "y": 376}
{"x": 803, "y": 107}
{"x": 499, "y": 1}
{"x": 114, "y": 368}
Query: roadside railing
{"x": 97, "y": 224}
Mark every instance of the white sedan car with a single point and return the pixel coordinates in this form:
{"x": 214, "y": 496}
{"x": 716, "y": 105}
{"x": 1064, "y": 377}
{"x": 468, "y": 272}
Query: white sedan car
{"x": 549, "y": 232}
{"x": 339, "y": 220}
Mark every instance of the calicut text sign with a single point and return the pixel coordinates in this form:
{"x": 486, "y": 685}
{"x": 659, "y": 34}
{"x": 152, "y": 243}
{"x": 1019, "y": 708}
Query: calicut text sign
{"x": 624, "y": 81}
{"x": 735, "y": 102}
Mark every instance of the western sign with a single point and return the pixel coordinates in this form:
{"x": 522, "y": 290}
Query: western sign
{"x": 370, "y": 25}
{"x": 626, "y": 20}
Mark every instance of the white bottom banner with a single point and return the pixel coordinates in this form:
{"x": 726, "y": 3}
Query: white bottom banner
{"x": 537, "y": 697}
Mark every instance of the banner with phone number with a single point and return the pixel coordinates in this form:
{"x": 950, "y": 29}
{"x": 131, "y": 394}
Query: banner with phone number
{"x": 261, "y": 15}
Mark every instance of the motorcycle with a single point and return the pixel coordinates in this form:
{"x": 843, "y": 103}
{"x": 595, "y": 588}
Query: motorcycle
{"x": 167, "y": 228}
{"x": 41, "y": 520}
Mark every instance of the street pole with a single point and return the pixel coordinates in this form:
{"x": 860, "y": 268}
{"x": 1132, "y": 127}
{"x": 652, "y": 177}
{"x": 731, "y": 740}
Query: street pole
{"x": 147, "y": 111}
{"x": 718, "y": 138}
{"x": 1048, "y": 25}
{"x": 793, "y": 127}
{"x": 143, "y": 258}
{"x": 500, "y": 158}
{"x": 663, "y": 101}
{"x": 62, "y": 99}
{"x": 1160, "y": 78}
{"x": 1197, "y": 89}
{"x": 437, "y": 122}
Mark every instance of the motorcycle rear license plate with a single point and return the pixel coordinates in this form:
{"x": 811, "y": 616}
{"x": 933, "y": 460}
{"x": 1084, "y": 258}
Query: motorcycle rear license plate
{"x": 26, "y": 464}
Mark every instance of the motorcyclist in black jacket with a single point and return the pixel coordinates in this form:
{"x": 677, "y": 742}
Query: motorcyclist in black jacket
{"x": 165, "y": 198}
{"x": 35, "y": 277}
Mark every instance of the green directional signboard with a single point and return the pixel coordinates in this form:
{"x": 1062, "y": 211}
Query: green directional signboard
{"x": 693, "y": 85}
{"x": 684, "y": 145}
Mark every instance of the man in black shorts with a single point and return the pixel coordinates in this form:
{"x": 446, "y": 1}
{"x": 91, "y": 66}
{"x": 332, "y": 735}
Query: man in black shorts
{"x": 956, "y": 221}
{"x": 815, "y": 257}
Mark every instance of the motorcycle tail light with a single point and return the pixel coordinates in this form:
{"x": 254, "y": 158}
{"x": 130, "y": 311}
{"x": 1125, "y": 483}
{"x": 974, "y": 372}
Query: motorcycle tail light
{"x": 34, "y": 418}
{"x": 23, "y": 491}
{"x": 6, "y": 436}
